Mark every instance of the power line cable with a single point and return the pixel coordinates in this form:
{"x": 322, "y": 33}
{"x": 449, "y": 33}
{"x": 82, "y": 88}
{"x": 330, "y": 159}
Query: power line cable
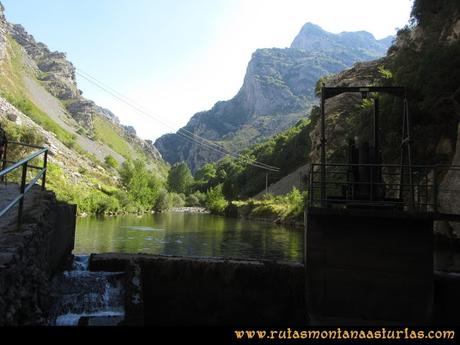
{"x": 188, "y": 137}
{"x": 182, "y": 132}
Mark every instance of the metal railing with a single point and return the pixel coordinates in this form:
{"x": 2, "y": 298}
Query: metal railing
{"x": 396, "y": 187}
{"x": 24, "y": 165}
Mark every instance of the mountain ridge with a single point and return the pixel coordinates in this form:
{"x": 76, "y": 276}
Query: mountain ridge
{"x": 278, "y": 90}
{"x": 40, "y": 104}
{"x": 58, "y": 76}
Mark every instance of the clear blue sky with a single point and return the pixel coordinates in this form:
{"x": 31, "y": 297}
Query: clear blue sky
{"x": 178, "y": 57}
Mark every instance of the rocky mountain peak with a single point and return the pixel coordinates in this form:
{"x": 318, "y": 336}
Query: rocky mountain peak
{"x": 312, "y": 29}
{"x": 278, "y": 90}
{"x": 351, "y": 47}
{"x": 57, "y": 75}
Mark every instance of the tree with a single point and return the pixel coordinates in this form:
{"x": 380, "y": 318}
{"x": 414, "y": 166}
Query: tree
{"x": 142, "y": 185}
{"x": 206, "y": 173}
{"x": 180, "y": 178}
{"x": 215, "y": 200}
{"x": 163, "y": 202}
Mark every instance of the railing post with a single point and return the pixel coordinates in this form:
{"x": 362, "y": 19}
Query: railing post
{"x": 23, "y": 187}
{"x": 426, "y": 189}
{"x": 323, "y": 149}
{"x": 372, "y": 183}
{"x": 435, "y": 190}
{"x": 4, "y": 161}
{"x": 45, "y": 168}
{"x": 310, "y": 177}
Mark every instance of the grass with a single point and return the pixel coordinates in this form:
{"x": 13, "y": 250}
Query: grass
{"x": 109, "y": 135}
{"x": 286, "y": 208}
{"x": 42, "y": 119}
{"x": 97, "y": 192}
{"x": 12, "y": 89}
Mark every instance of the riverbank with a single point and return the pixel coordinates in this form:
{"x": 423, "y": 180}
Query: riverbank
{"x": 189, "y": 210}
{"x": 282, "y": 210}
{"x": 247, "y": 214}
{"x": 201, "y": 210}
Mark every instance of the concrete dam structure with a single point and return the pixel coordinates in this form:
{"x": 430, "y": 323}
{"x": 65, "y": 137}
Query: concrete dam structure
{"x": 369, "y": 227}
{"x": 32, "y": 254}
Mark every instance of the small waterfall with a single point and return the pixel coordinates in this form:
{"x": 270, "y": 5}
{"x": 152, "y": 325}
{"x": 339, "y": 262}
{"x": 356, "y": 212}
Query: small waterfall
{"x": 82, "y": 297}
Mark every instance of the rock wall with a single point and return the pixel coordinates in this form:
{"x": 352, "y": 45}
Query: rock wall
{"x": 449, "y": 197}
{"x": 58, "y": 76}
{"x": 3, "y": 31}
{"x": 204, "y": 291}
{"x": 278, "y": 90}
{"x": 30, "y": 255}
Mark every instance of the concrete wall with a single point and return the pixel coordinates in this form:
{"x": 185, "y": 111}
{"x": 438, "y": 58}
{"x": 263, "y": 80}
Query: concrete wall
{"x": 199, "y": 291}
{"x": 366, "y": 268}
{"x": 30, "y": 255}
{"x": 446, "y": 299}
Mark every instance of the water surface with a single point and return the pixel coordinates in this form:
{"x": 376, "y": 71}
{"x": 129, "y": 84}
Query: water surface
{"x": 188, "y": 235}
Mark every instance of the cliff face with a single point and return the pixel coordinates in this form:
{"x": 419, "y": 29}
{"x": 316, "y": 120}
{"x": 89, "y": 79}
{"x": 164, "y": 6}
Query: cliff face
{"x": 3, "y": 31}
{"x": 342, "y": 111}
{"x": 425, "y": 59}
{"x": 351, "y": 47}
{"x": 438, "y": 29}
{"x": 278, "y": 90}
{"x": 57, "y": 76}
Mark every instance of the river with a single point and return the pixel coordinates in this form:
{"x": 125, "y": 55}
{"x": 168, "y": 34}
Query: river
{"x": 186, "y": 234}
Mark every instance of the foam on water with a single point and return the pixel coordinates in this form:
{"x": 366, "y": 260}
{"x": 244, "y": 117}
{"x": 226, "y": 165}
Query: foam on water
{"x": 81, "y": 293}
{"x": 142, "y": 228}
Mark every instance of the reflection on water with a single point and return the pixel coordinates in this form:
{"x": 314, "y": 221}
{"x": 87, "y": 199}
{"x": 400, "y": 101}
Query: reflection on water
{"x": 188, "y": 235}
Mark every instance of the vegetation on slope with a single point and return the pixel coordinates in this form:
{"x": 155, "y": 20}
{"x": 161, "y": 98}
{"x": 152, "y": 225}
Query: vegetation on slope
{"x": 278, "y": 90}
{"x": 240, "y": 180}
{"x": 95, "y": 192}
{"x": 427, "y": 65}
{"x": 13, "y": 90}
{"x": 109, "y": 134}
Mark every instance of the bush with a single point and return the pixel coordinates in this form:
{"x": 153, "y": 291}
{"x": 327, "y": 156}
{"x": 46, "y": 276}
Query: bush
{"x": 215, "y": 200}
{"x": 192, "y": 201}
{"x": 180, "y": 178}
{"x": 177, "y": 200}
{"x": 286, "y": 208}
{"x": 99, "y": 203}
{"x": 111, "y": 162}
{"x": 142, "y": 185}
{"x": 163, "y": 202}
{"x": 123, "y": 198}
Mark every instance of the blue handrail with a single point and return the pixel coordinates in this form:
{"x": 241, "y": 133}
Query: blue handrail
{"x": 24, "y": 188}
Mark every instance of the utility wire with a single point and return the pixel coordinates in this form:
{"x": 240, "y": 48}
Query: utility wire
{"x": 182, "y": 132}
{"x": 216, "y": 148}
